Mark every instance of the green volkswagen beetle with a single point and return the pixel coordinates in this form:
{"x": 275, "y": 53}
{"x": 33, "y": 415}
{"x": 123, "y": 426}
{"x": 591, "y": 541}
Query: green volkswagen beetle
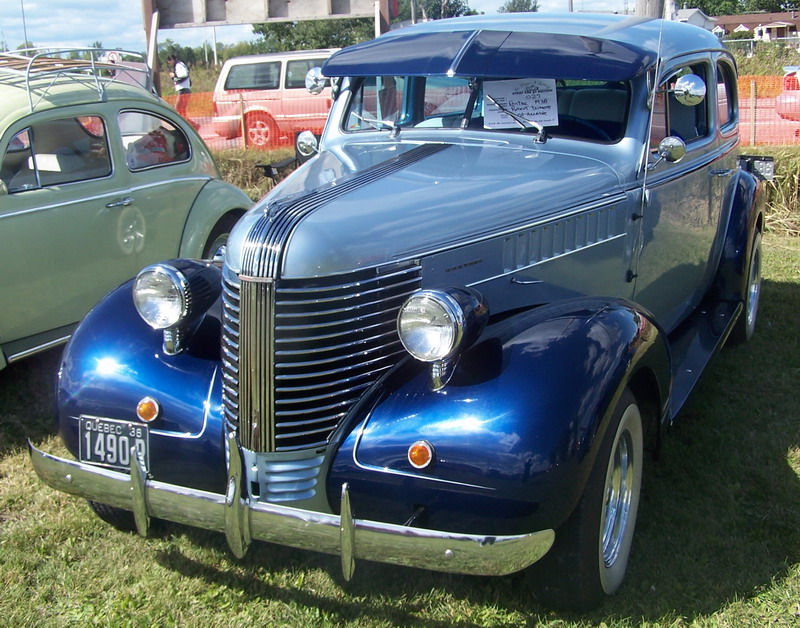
{"x": 99, "y": 177}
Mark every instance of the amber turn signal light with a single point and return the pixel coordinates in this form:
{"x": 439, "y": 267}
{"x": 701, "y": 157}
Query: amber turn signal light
{"x": 148, "y": 409}
{"x": 420, "y": 454}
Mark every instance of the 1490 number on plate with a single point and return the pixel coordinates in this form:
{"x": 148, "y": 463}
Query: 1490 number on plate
{"x": 109, "y": 441}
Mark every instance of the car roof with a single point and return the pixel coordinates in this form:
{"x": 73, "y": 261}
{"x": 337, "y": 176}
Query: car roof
{"x": 502, "y": 45}
{"x": 295, "y": 54}
{"x": 15, "y": 102}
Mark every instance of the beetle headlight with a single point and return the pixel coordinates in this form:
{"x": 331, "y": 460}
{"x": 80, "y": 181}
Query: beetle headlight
{"x": 434, "y": 324}
{"x": 161, "y": 295}
{"x": 174, "y": 296}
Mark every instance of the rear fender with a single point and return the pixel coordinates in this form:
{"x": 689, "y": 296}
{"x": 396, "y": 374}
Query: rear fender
{"x": 515, "y": 431}
{"x": 747, "y": 216}
{"x": 215, "y": 201}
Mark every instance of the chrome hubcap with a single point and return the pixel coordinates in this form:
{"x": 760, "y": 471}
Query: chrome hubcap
{"x": 618, "y": 496}
{"x": 754, "y": 289}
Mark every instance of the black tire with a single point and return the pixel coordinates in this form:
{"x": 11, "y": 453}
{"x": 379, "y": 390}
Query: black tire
{"x": 218, "y": 237}
{"x": 262, "y": 132}
{"x": 117, "y": 517}
{"x": 745, "y": 326}
{"x": 589, "y": 558}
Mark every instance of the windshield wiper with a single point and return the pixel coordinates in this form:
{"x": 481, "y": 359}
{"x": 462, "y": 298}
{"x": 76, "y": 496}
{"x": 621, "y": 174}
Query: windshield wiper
{"x": 525, "y": 124}
{"x": 379, "y": 125}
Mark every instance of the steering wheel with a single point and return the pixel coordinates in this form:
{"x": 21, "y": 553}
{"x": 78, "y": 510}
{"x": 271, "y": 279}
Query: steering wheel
{"x": 595, "y": 130}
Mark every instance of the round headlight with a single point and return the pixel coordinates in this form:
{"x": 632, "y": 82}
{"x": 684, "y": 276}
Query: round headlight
{"x": 430, "y": 324}
{"x": 160, "y": 293}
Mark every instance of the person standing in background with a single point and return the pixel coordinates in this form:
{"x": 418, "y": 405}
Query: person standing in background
{"x": 183, "y": 84}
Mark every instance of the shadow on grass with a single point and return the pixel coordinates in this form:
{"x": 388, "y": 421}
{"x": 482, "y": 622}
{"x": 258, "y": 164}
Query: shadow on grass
{"x": 719, "y": 520}
{"x": 27, "y": 400}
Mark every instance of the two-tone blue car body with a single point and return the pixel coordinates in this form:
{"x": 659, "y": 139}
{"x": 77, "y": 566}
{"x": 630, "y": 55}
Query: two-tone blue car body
{"x": 446, "y": 340}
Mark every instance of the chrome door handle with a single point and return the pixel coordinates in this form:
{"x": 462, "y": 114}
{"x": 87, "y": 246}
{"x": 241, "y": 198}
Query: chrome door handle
{"x": 525, "y": 282}
{"x": 123, "y": 202}
{"x": 721, "y": 173}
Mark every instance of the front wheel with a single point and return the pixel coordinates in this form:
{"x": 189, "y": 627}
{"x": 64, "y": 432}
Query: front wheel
{"x": 218, "y": 239}
{"x": 589, "y": 558}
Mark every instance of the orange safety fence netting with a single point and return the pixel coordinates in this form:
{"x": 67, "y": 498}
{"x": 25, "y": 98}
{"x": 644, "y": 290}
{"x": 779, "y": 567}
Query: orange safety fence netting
{"x": 768, "y": 115}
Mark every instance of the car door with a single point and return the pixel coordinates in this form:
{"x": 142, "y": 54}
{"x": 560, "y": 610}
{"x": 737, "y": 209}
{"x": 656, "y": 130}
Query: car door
{"x": 682, "y": 213}
{"x": 165, "y": 173}
{"x": 62, "y": 243}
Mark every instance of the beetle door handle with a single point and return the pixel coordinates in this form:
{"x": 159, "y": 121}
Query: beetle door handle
{"x": 123, "y": 202}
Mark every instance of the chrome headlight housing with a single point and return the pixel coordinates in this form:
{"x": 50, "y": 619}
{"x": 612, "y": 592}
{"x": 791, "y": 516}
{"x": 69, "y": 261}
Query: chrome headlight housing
{"x": 161, "y": 296}
{"x": 173, "y": 296}
{"x": 434, "y": 325}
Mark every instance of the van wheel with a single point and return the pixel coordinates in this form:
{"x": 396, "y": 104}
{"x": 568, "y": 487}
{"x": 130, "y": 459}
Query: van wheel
{"x": 589, "y": 558}
{"x": 262, "y": 132}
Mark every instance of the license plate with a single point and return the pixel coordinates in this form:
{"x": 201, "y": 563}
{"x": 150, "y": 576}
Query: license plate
{"x": 109, "y": 441}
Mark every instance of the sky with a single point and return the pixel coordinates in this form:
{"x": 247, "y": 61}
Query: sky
{"x": 119, "y": 23}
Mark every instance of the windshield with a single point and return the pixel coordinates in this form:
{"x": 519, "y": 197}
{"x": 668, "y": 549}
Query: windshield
{"x": 590, "y": 110}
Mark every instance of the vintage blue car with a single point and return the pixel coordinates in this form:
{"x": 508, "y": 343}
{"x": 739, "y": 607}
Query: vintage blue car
{"x": 448, "y": 339}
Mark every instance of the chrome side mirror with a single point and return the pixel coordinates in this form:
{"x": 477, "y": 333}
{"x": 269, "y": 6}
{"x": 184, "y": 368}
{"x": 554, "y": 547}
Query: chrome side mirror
{"x": 315, "y": 81}
{"x": 306, "y": 144}
{"x": 671, "y": 149}
{"x": 689, "y": 90}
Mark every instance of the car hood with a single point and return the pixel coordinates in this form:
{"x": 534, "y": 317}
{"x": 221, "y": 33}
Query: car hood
{"x": 368, "y": 204}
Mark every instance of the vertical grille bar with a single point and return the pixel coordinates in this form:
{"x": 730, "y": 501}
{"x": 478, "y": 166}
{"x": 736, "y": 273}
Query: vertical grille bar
{"x": 255, "y": 365}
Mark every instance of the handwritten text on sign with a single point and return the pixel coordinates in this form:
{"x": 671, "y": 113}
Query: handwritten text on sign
{"x": 530, "y": 99}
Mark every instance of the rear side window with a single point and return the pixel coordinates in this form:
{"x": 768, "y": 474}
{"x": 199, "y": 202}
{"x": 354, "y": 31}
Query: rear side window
{"x": 151, "y": 141}
{"x": 53, "y": 152}
{"x": 264, "y": 75}
{"x": 296, "y": 71}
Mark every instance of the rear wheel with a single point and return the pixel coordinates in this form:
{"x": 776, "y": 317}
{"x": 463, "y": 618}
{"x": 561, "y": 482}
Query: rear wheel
{"x": 589, "y": 558}
{"x": 215, "y": 245}
{"x": 745, "y": 326}
{"x": 262, "y": 132}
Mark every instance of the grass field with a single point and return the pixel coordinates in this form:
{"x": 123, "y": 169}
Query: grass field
{"x": 718, "y": 541}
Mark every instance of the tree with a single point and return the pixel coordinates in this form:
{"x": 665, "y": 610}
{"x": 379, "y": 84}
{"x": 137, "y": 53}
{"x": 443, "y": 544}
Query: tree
{"x": 307, "y": 35}
{"x": 519, "y": 6}
{"x": 434, "y": 9}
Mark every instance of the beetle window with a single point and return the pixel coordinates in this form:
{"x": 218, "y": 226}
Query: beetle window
{"x": 54, "y": 152}
{"x": 151, "y": 141}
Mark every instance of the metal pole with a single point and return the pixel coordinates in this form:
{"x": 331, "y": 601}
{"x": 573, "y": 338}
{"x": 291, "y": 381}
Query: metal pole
{"x": 24, "y": 27}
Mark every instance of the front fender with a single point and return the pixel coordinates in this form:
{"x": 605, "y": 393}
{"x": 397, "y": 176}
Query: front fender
{"x": 515, "y": 431}
{"x": 216, "y": 199}
{"x": 115, "y": 359}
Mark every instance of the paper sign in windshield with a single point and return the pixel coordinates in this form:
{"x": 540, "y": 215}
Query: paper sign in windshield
{"x": 530, "y": 99}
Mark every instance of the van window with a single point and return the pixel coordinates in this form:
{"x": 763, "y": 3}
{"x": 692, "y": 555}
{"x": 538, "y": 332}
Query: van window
{"x": 296, "y": 71}
{"x": 264, "y": 75}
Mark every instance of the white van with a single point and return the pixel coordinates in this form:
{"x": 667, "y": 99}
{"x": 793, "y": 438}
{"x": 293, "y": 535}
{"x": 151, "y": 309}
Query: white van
{"x": 267, "y": 94}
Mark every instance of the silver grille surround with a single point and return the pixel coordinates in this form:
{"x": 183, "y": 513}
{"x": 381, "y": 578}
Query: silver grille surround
{"x": 297, "y": 354}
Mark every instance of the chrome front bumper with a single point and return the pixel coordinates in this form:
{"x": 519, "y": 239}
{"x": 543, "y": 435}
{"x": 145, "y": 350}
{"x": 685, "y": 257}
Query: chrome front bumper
{"x": 242, "y": 520}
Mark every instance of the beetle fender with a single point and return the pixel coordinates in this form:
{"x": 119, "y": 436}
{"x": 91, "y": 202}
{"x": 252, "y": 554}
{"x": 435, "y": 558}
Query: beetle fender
{"x": 515, "y": 431}
{"x": 745, "y": 218}
{"x": 216, "y": 199}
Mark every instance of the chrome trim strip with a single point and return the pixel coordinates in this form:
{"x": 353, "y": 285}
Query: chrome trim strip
{"x": 477, "y": 554}
{"x": 38, "y": 349}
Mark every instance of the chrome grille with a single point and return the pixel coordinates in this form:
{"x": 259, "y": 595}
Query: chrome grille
{"x": 333, "y": 337}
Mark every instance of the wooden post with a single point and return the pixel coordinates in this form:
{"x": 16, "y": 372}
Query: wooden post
{"x": 753, "y": 94}
{"x": 242, "y": 121}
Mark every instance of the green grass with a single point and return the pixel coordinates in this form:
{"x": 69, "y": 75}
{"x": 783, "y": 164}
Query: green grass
{"x": 718, "y": 540}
